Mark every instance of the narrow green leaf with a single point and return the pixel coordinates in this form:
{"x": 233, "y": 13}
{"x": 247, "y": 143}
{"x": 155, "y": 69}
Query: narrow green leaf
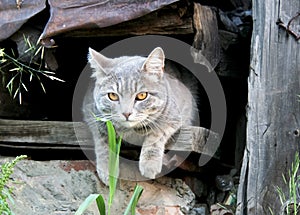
{"x": 112, "y": 164}
{"x": 20, "y": 97}
{"x": 28, "y": 42}
{"x": 284, "y": 179}
{"x": 137, "y": 195}
{"x": 138, "y": 190}
{"x": 37, "y": 51}
{"x": 47, "y": 72}
{"x": 43, "y": 53}
{"x": 2, "y": 53}
{"x": 15, "y": 69}
{"x": 42, "y": 85}
{"x": 13, "y": 53}
{"x": 87, "y": 202}
{"x": 16, "y": 92}
{"x": 24, "y": 86}
{"x": 111, "y": 135}
{"x": 101, "y": 205}
{"x": 54, "y": 78}
{"x": 9, "y": 197}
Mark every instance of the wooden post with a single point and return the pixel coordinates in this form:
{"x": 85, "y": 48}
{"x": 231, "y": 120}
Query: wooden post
{"x": 273, "y": 107}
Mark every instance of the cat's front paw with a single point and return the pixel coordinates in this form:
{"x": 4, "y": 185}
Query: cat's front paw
{"x": 150, "y": 168}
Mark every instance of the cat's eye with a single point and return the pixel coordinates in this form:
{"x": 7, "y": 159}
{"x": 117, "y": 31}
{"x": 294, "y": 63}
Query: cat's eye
{"x": 113, "y": 96}
{"x": 141, "y": 96}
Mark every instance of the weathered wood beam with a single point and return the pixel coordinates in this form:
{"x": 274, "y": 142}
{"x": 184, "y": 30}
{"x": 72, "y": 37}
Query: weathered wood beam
{"x": 174, "y": 19}
{"x": 61, "y": 135}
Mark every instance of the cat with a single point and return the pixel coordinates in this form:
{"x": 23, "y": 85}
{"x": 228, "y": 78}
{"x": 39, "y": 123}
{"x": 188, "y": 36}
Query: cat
{"x": 145, "y": 100}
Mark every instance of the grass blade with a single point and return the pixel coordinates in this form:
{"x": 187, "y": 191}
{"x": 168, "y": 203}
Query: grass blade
{"x": 101, "y": 205}
{"x": 113, "y": 164}
{"x": 88, "y": 201}
{"x": 43, "y": 87}
{"x": 138, "y": 190}
{"x": 37, "y": 51}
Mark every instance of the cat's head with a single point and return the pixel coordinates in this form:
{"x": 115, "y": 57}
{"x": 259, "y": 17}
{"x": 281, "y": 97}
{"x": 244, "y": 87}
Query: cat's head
{"x": 129, "y": 91}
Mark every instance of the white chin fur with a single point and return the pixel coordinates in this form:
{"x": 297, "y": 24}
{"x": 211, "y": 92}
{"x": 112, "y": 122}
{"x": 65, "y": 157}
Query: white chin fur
{"x": 128, "y": 124}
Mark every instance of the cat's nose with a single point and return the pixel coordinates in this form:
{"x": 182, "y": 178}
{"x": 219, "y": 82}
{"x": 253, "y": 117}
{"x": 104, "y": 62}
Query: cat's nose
{"x": 127, "y": 115}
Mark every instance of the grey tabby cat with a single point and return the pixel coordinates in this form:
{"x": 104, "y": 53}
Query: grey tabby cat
{"x": 145, "y": 101}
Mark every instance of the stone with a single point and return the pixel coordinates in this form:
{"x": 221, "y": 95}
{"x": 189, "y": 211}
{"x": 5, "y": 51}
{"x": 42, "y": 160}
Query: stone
{"x": 59, "y": 187}
{"x": 199, "y": 209}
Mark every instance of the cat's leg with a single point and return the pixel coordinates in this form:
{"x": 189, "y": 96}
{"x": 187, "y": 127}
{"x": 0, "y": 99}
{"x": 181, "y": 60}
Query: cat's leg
{"x": 151, "y": 157}
{"x": 152, "y": 153}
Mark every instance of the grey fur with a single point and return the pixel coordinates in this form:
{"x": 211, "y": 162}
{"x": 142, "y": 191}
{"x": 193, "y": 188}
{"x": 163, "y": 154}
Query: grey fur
{"x": 151, "y": 122}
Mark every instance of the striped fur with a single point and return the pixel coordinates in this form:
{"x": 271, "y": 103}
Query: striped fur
{"x": 150, "y": 122}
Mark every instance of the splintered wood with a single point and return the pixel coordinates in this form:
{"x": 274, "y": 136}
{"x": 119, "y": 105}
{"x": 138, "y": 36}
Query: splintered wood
{"x": 206, "y": 46}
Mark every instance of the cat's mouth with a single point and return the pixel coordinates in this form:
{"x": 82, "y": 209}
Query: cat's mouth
{"x": 136, "y": 126}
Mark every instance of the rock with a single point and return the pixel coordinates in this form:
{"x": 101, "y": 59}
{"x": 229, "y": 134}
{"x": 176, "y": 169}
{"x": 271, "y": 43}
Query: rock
{"x": 165, "y": 196}
{"x": 46, "y": 188}
{"x": 197, "y": 186}
{"x": 59, "y": 187}
{"x": 219, "y": 209}
{"x": 200, "y": 209}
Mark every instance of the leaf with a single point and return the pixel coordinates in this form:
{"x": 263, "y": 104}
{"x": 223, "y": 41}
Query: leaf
{"x": 101, "y": 205}
{"x": 24, "y": 86}
{"x": 43, "y": 53}
{"x": 113, "y": 166}
{"x": 138, "y": 190}
{"x": 42, "y": 85}
{"x": 16, "y": 92}
{"x": 27, "y": 41}
{"x": 10, "y": 197}
{"x": 2, "y": 53}
{"x": 88, "y": 201}
{"x": 20, "y": 96}
{"x": 37, "y": 51}
{"x": 55, "y": 78}
{"x": 15, "y": 69}
{"x": 47, "y": 72}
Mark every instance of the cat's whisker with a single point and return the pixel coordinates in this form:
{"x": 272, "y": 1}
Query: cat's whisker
{"x": 153, "y": 125}
{"x": 145, "y": 127}
{"x": 162, "y": 120}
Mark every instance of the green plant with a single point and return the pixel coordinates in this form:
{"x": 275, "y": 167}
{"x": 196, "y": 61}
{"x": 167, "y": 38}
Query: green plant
{"x": 19, "y": 71}
{"x": 5, "y": 192}
{"x": 290, "y": 203}
{"x": 114, "y": 150}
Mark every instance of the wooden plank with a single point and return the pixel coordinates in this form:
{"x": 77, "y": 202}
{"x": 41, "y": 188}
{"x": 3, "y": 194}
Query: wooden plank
{"x": 61, "y": 135}
{"x": 273, "y": 109}
{"x": 173, "y": 19}
{"x": 167, "y": 21}
{"x": 12, "y": 17}
{"x": 206, "y": 40}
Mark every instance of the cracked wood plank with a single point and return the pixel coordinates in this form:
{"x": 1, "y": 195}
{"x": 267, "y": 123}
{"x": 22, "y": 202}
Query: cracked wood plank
{"x": 61, "y": 135}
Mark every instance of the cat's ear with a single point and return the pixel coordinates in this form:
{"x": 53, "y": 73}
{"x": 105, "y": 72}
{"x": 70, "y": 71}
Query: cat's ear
{"x": 155, "y": 62}
{"x": 98, "y": 62}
